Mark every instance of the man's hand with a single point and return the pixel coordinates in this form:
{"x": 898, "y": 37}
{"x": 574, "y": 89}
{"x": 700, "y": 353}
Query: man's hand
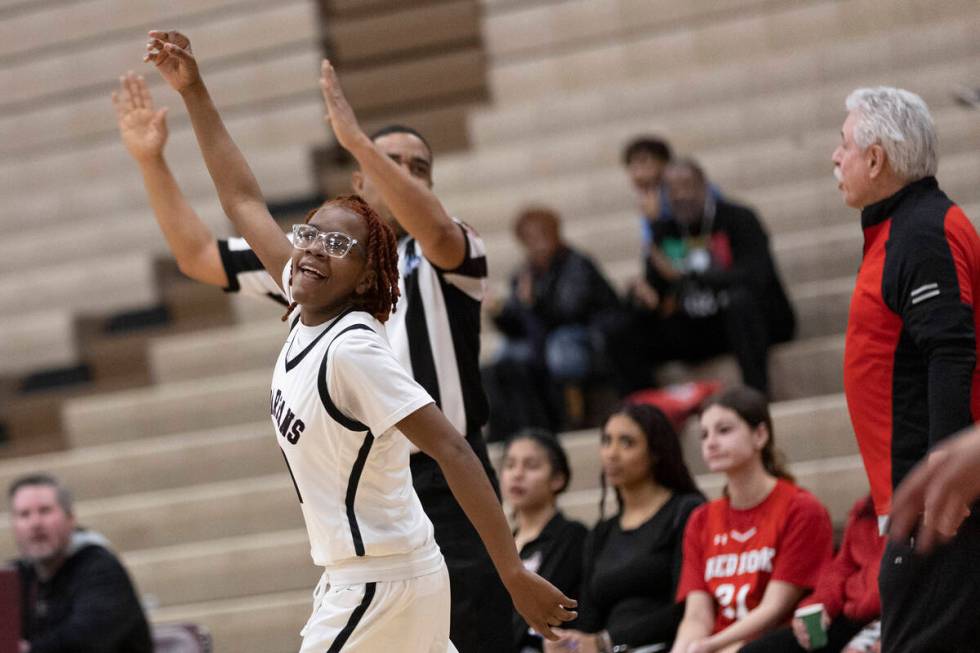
{"x": 143, "y": 129}
{"x": 644, "y": 295}
{"x": 539, "y": 602}
{"x": 340, "y": 115}
{"x": 939, "y": 489}
{"x": 171, "y": 53}
{"x": 24, "y": 647}
{"x": 664, "y": 266}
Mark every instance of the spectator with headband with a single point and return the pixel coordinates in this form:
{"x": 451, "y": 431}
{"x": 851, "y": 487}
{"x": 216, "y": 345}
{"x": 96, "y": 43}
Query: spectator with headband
{"x": 535, "y": 471}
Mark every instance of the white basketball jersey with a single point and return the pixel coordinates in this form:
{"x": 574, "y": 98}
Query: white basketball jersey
{"x": 337, "y": 393}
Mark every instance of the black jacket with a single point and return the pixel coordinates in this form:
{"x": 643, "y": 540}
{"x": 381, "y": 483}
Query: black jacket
{"x": 556, "y": 556}
{"x": 571, "y": 291}
{"x": 740, "y": 257}
{"x": 88, "y": 606}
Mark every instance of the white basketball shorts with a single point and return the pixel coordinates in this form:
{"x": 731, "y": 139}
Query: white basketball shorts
{"x": 410, "y": 616}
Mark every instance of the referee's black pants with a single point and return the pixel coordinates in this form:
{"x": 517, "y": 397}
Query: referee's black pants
{"x": 480, "y": 618}
{"x": 931, "y": 604}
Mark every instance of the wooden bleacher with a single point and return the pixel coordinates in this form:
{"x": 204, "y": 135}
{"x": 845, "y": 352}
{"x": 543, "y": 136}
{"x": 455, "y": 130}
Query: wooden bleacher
{"x": 526, "y": 101}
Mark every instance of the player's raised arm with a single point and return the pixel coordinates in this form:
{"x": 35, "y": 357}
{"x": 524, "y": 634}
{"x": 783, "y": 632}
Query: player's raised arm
{"x": 539, "y": 602}
{"x": 414, "y": 205}
{"x": 239, "y": 192}
{"x": 143, "y": 130}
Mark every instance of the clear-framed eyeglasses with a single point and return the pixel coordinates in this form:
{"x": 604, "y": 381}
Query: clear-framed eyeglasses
{"x": 333, "y": 243}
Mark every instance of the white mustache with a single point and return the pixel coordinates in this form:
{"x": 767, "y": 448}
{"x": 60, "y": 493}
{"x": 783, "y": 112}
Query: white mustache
{"x": 838, "y": 175}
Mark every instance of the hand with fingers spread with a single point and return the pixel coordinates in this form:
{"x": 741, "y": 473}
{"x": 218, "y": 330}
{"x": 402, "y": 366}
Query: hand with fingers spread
{"x": 541, "y": 604}
{"x": 932, "y": 501}
{"x": 142, "y": 127}
{"x": 170, "y": 52}
{"x": 340, "y": 115}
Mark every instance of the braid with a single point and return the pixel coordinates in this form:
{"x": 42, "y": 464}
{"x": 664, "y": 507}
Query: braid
{"x": 381, "y": 251}
{"x": 382, "y": 257}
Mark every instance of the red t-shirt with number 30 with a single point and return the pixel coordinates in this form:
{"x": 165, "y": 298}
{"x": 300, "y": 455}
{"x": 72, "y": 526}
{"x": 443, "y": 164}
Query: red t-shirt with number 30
{"x": 733, "y": 554}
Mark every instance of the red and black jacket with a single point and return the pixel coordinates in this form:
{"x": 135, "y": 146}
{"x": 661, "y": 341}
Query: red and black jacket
{"x": 910, "y": 371}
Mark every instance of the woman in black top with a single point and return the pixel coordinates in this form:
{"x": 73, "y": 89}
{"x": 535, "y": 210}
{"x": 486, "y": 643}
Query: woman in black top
{"x": 535, "y": 472}
{"x": 632, "y": 561}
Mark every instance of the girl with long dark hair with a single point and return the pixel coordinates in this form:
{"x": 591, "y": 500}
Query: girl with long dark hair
{"x": 632, "y": 560}
{"x": 750, "y": 556}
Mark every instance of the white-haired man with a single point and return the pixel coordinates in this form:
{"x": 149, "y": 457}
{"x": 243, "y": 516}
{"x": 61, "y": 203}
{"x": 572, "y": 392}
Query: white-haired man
{"x": 910, "y": 358}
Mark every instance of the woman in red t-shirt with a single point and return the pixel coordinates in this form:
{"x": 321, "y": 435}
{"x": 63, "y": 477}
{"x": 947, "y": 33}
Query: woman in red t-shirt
{"x": 750, "y": 556}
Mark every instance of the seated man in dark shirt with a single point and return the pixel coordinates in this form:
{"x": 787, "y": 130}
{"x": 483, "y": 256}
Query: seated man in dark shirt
{"x": 710, "y": 286}
{"x": 76, "y": 596}
{"x": 554, "y": 324}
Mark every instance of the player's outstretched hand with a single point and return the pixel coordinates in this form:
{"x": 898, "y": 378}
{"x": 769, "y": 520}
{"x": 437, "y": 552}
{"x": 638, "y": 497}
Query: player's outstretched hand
{"x": 142, "y": 127}
{"x": 939, "y": 490}
{"x": 340, "y": 115}
{"x": 540, "y": 603}
{"x": 170, "y": 52}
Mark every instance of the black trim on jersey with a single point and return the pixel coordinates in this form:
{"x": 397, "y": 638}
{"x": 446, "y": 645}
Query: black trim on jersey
{"x": 321, "y": 386}
{"x": 234, "y": 262}
{"x": 355, "y": 478}
{"x": 355, "y": 618}
{"x": 290, "y": 469}
{"x": 419, "y": 347}
{"x": 290, "y": 364}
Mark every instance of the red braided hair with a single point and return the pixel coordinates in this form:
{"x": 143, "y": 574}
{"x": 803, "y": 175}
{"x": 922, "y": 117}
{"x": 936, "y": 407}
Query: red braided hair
{"x": 381, "y": 250}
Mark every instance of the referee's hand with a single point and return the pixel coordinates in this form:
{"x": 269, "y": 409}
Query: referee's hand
{"x": 540, "y": 603}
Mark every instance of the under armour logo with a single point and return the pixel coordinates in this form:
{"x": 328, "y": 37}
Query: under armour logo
{"x": 739, "y": 536}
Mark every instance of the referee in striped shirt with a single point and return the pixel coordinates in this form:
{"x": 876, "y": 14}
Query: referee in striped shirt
{"x": 434, "y": 331}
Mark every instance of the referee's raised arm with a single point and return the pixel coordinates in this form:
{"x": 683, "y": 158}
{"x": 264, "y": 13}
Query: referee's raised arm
{"x": 403, "y": 181}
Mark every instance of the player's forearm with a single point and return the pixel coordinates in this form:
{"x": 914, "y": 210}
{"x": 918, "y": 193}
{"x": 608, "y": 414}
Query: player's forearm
{"x": 415, "y": 206}
{"x": 471, "y": 487}
{"x": 189, "y": 238}
{"x": 230, "y": 172}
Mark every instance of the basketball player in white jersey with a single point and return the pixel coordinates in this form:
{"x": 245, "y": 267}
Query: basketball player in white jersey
{"x": 343, "y": 408}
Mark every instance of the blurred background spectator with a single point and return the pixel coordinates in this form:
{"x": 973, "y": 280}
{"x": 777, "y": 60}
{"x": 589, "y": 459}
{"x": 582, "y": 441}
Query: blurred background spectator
{"x": 535, "y": 471}
{"x": 555, "y": 322}
{"x": 710, "y": 286}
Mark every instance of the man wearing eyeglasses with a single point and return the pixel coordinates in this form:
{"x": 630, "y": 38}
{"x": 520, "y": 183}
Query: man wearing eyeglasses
{"x": 434, "y": 330}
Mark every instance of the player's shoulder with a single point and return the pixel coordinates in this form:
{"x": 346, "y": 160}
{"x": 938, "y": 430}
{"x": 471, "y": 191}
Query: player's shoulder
{"x": 357, "y": 327}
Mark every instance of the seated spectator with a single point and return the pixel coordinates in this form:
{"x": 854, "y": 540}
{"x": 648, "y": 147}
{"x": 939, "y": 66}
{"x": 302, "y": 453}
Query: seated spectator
{"x": 710, "y": 286}
{"x": 554, "y": 323}
{"x": 645, "y": 159}
{"x": 76, "y": 596}
{"x": 633, "y": 559}
{"x": 847, "y": 589}
{"x": 750, "y": 556}
{"x": 535, "y": 472}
